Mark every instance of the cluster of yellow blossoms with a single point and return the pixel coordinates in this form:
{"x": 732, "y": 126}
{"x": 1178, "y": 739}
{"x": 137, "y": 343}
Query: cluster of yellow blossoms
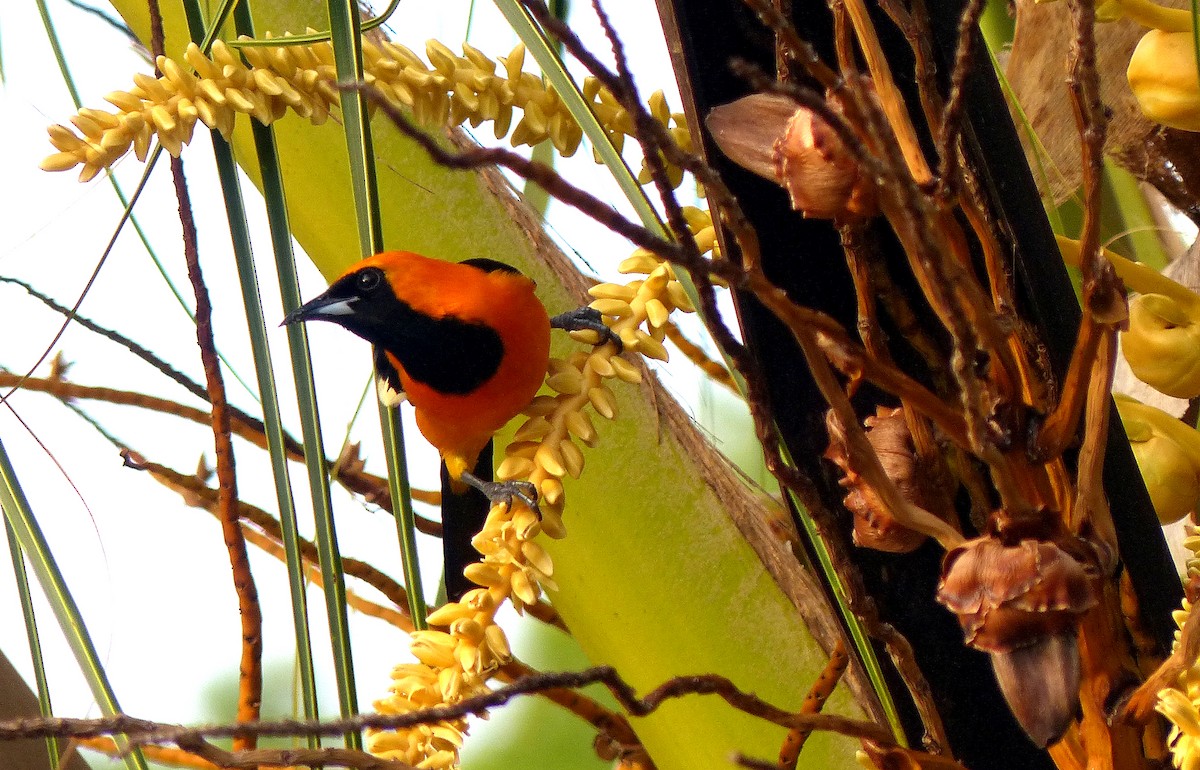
{"x": 215, "y": 89}
{"x": 1181, "y": 704}
{"x": 455, "y": 660}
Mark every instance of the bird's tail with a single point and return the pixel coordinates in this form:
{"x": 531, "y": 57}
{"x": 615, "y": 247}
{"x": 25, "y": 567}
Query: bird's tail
{"x": 464, "y": 510}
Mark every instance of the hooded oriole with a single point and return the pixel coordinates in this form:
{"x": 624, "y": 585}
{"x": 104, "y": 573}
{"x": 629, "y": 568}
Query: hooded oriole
{"x": 466, "y": 343}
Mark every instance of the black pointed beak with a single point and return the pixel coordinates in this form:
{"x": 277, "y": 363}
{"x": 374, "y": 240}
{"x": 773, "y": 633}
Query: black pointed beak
{"x": 321, "y": 308}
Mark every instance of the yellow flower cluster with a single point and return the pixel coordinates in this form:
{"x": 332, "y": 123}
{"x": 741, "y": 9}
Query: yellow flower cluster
{"x": 456, "y": 659}
{"x": 301, "y": 78}
{"x": 1181, "y": 704}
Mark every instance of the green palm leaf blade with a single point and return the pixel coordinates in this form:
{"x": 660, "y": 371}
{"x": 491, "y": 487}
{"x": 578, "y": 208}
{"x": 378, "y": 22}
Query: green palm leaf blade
{"x": 655, "y": 577}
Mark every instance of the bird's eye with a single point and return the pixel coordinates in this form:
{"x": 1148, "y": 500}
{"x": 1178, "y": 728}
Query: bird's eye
{"x": 369, "y": 279}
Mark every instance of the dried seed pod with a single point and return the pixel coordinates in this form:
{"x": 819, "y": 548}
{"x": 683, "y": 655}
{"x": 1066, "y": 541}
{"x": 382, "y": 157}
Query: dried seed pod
{"x": 1022, "y": 603}
{"x": 874, "y": 525}
{"x": 772, "y": 137}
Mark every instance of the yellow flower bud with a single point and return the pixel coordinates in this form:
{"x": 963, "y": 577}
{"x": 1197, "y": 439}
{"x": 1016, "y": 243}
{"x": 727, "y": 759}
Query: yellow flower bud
{"x": 1160, "y": 445}
{"x": 1162, "y": 76}
{"x": 1162, "y": 345}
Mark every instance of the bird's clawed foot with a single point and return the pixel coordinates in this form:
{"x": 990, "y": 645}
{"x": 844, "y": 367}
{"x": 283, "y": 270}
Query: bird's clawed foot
{"x": 586, "y": 319}
{"x": 505, "y": 491}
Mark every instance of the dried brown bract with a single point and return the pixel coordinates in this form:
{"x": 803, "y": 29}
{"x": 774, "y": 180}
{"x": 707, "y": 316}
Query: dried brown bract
{"x": 1022, "y": 603}
{"x": 874, "y": 525}
{"x": 1009, "y": 596}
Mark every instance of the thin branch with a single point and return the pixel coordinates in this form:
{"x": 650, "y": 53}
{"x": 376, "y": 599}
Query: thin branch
{"x": 914, "y": 25}
{"x": 889, "y": 95}
{"x": 1059, "y": 427}
{"x": 163, "y": 755}
{"x": 951, "y": 126}
{"x": 820, "y": 691}
{"x": 250, "y": 670}
{"x": 1091, "y": 504}
{"x": 800, "y": 49}
{"x": 187, "y": 383}
{"x": 142, "y": 731}
{"x": 715, "y": 371}
{"x": 199, "y": 494}
{"x": 249, "y": 611}
{"x": 201, "y": 755}
{"x": 1103, "y": 294}
{"x": 373, "y": 488}
{"x": 610, "y": 724}
{"x": 252, "y": 759}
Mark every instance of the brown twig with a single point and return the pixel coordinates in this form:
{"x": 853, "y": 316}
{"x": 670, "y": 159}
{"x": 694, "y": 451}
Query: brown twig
{"x": 195, "y": 492}
{"x": 252, "y": 759}
{"x": 889, "y": 95}
{"x": 820, "y": 691}
{"x": 1102, "y": 291}
{"x": 936, "y": 740}
{"x": 612, "y": 725}
{"x": 250, "y": 670}
{"x": 843, "y": 40}
{"x": 373, "y": 488}
{"x": 951, "y": 123}
{"x": 799, "y": 48}
{"x": 1091, "y": 505}
{"x": 163, "y": 755}
{"x": 201, "y": 755}
{"x": 1059, "y": 428}
{"x": 187, "y": 383}
{"x": 782, "y": 51}
{"x": 1140, "y": 706}
{"x": 692, "y": 352}
{"x": 142, "y": 731}
{"x": 914, "y": 25}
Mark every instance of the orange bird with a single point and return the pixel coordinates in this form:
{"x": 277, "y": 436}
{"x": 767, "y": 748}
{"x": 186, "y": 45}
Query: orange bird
{"x": 467, "y": 344}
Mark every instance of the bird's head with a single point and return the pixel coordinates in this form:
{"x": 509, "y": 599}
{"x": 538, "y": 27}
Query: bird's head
{"x": 363, "y": 300}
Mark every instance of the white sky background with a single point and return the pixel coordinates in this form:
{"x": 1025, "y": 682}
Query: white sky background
{"x": 152, "y": 575}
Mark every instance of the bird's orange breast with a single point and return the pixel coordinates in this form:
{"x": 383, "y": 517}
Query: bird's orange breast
{"x": 460, "y": 424}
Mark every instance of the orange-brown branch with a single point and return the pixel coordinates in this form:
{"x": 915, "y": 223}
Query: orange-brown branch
{"x": 373, "y": 488}
{"x": 820, "y": 691}
{"x": 249, "y": 611}
{"x": 195, "y": 492}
